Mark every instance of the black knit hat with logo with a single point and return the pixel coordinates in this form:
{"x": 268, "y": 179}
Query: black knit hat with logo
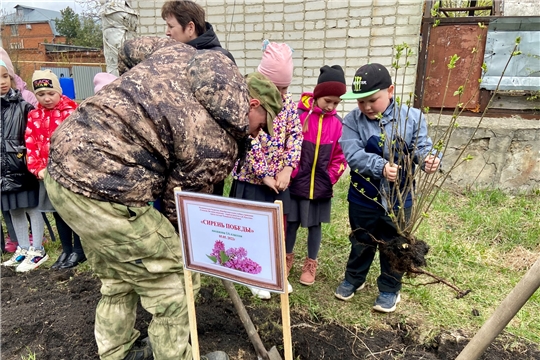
{"x": 331, "y": 82}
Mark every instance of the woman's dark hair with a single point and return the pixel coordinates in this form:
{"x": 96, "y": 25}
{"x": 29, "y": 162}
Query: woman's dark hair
{"x": 185, "y": 11}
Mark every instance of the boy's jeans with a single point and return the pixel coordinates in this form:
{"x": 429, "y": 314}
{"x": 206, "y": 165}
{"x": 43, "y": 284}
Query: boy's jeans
{"x": 365, "y": 221}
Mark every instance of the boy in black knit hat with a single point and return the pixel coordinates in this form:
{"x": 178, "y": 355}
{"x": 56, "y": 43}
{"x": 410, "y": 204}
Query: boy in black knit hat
{"x": 321, "y": 164}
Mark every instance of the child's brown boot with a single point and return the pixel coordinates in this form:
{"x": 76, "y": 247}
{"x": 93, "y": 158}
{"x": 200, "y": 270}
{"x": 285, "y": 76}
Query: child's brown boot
{"x": 289, "y": 259}
{"x": 308, "y": 272}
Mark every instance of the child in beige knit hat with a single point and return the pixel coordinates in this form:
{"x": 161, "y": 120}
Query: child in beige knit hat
{"x": 53, "y": 108}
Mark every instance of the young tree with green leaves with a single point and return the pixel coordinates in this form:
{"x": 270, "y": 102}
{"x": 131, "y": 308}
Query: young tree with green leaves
{"x": 406, "y": 252}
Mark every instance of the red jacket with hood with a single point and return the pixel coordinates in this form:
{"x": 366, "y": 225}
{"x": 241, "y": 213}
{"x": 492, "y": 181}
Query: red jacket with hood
{"x": 42, "y": 123}
{"x": 322, "y": 161}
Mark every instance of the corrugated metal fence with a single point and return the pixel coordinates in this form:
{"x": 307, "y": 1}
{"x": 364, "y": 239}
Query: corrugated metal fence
{"x": 83, "y": 77}
{"x": 59, "y": 71}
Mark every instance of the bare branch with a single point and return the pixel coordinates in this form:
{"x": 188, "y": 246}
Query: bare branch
{"x": 461, "y": 293}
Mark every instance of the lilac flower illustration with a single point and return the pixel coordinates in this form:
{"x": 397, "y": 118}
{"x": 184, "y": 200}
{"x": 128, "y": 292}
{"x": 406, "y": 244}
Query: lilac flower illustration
{"x": 233, "y": 258}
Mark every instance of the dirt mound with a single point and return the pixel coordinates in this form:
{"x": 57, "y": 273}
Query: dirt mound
{"x": 51, "y": 314}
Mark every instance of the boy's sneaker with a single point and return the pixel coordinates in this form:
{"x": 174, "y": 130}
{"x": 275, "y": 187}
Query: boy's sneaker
{"x": 33, "y": 259}
{"x": 386, "y": 301}
{"x": 345, "y": 291}
{"x": 17, "y": 258}
{"x": 215, "y": 355}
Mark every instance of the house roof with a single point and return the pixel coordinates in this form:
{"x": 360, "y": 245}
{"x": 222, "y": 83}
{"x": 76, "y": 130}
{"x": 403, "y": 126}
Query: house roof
{"x": 29, "y": 15}
{"x": 50, "y": 48}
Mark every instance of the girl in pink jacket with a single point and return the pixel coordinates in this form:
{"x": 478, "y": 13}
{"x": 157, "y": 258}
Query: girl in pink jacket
{"x": 321, "y": 164}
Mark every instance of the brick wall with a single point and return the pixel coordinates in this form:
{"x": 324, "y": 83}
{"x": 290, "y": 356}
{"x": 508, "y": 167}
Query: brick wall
{"x": 30, "y": 35}
{"x": 349, "y": 33}
{"x": 26, "y": 61}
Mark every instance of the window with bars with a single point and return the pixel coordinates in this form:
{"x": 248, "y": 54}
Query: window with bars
{"x": 17, "y": 45}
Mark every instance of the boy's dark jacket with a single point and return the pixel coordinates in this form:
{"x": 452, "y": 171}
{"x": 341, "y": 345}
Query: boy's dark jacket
{"x": 15, "y": 174}
{"x": 173, "y": 120}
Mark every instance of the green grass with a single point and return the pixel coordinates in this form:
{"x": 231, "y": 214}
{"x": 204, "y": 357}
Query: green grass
{"x": 482, "y": 240}
{"x": 31, "y": 355}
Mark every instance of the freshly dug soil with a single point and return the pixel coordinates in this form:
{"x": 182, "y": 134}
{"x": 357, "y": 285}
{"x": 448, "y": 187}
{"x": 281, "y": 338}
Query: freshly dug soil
{"x": 51, "y": 314}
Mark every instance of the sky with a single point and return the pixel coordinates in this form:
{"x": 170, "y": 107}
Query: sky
{"x": 8, "y": 5}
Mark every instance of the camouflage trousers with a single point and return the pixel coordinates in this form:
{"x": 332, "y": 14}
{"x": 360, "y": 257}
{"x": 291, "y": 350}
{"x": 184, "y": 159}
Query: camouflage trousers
{"x": 136, "y": 253}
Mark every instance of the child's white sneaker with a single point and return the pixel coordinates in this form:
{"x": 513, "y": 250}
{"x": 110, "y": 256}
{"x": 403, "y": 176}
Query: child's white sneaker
{"x": 265, "y": 294}
{"x": 18, "y": 257}
{"x": 33, "y": 259}
{"x": 261, "y": 294}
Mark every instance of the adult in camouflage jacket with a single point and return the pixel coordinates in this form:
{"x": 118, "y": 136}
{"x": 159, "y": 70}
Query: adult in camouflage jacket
{"x": 175, "y": 117}
{"x": 139, "y": 137}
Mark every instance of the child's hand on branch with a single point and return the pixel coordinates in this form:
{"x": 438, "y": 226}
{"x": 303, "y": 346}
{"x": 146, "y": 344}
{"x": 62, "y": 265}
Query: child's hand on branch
{"x": 271, "y": 183}
{"x": 431, "y": 164}
{"x": 390, "y": 172}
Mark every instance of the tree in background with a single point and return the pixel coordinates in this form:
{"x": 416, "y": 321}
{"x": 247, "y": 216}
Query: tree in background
{"x": 90, "y": 34}
{"x": 8, "y": 38}
{"x": 90, "y": 8}
{"x": 68, "y": 25}
{"x": 79, "y": 30}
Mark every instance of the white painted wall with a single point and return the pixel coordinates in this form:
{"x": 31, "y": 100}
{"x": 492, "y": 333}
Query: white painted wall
{"x": 349, "y": 33}
{"x": 521, "y": 8}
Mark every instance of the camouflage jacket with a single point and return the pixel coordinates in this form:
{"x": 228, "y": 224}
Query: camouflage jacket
{"x": 173, "y": 118}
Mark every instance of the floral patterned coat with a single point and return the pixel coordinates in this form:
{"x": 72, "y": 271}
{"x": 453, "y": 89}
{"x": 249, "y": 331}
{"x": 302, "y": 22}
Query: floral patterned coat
{"x": 270, "y": 154}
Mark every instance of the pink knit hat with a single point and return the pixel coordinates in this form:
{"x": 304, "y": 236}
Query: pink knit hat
{"x": 9, "y": 65}
{"x": 102, "y": 79}
{"x": 277, "y": 63}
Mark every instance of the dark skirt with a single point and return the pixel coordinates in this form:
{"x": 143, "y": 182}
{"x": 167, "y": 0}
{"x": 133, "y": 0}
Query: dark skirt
{"x": 44, "y": 203}
{"x": 21, "y": 199}
{"x": 247, "y": 191}
{"x": 309, "y": 212}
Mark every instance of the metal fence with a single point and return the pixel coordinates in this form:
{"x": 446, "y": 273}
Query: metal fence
{"x": 59, "y": 71}
{"x": 492, "y": 44}
{"x": 83, "y": 77}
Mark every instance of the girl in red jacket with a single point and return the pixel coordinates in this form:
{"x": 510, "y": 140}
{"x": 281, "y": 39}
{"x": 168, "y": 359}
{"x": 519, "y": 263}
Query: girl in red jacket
{"x": 321, "y": 164}
{"x": 52, "y": 110}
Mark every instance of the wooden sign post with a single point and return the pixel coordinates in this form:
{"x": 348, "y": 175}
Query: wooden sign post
{"x": 236, "y": 240}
